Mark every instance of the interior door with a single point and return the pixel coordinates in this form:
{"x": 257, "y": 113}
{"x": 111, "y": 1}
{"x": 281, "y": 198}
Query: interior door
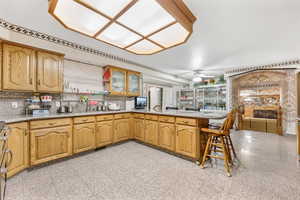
{"x": 19, "y": 67}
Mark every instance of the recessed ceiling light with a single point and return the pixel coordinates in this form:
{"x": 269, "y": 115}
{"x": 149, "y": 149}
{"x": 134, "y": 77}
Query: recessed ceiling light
{"x": 138, "y": 26}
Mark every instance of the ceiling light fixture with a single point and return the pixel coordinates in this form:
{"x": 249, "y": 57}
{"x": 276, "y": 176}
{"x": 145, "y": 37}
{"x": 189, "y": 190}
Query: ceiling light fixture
{"x": 142, "y": 27}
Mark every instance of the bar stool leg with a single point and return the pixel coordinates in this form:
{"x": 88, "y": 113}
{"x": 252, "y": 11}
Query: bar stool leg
{"x": 207, "y": 148}
{"x": 232, "y": 147}
{"x": 226, "y": 162}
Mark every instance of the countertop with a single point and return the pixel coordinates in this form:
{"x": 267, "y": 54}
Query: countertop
{"x": 191, "y": 114}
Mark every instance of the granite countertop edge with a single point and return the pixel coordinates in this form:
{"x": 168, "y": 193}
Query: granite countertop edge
{"x": 22, "y": 118}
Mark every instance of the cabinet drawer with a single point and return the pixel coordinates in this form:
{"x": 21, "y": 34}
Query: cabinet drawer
{"x": 139, "y": 116}
{"x": 80, "y": 120}
{"x": 104, "y": 117}
{"x": 122, "y": 116}
{"x": 167, "y": 119}
{"x": 151, "y": 117}
{"x": 186, "y": 121}
{"x": 50, "y": 123}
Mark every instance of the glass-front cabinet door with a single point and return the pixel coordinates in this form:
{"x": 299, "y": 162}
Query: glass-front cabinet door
{"x": 133, "y": 83}
{"x": 118, "y": 82}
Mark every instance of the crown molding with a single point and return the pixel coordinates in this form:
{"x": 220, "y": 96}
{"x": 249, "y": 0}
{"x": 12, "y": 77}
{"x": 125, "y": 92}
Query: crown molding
{"x": 66, "y": 43}
{"x": 276, "y": 66}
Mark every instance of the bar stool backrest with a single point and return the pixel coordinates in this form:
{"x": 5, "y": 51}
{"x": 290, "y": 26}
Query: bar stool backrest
{"x": 228, "y": 123}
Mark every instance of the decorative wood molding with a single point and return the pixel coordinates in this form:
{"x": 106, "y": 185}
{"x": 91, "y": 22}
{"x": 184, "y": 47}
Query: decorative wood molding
{"x": 62, "y": 42}
{"x": 275, "y": 66}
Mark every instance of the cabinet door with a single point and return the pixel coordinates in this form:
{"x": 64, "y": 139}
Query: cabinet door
{"x": 133, "y": 84}
{"x": 151, "y": 132}
{"x": 186, "y": 140}
{"x": 118, "y": 82}
{"x": 19, "y": 65}
{"x": 50, "y": 144}
{"x": 18, "y": 143}
{"x": 83, "y": 137}
{"x": 104, "y": 133}
{"x": 166, "y": 137}
{"x": 50, "y": 73}
{"x": 139, "y": 127}
{"x": 122, "y": 128}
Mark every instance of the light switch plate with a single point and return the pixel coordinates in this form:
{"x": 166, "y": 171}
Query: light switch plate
{"x": 57, "y": 103}
{"x": 14, "y": 104}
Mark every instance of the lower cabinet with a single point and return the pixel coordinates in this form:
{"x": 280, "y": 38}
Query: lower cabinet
{"x": 151, "y": 132}
{"x": 104, "y": 133}
{"x": 139, "y": 129}
{"x": 50, "y": 144}
{"x": 83, "y": 137}
{"x": 18, "y": 143}
{"x": 186, "y": 140}
{"x": 121, "y": 129}
{"x": 166, "y": 136}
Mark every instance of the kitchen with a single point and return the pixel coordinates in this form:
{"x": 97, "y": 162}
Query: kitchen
{"x": 91, "y": 114}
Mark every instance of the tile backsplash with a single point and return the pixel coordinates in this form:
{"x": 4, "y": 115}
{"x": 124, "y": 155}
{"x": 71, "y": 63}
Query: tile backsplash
{"x": 13, "y": 103}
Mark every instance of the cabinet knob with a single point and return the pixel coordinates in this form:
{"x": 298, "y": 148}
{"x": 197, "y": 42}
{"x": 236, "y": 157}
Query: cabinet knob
{"x": 30, "y": 81}
{"x": 39, "y": 82}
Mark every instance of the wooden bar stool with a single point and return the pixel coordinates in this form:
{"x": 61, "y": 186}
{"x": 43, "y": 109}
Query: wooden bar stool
{"x": 219, "y": 141}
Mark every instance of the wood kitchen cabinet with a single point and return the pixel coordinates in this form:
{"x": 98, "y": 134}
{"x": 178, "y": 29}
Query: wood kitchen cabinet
{"x": 133, "y": 83}
{"x": 83, "y": 137}
{"x": 50, "y": 144}
{"x": 19, "y": 68}
{"x": 49, "y": 72}
{"x": 166, "y": 136}
{"x": 121, "y": 129}
{"x": 186, "y": 140}
{"x": 151, "y": 132}
{"x": 18, "y": 143}
{"x": 122, "y": 82}
{"x": 139, "y": 129}
{"x": 104, "y": 133}
{"x": 115, "y": 80}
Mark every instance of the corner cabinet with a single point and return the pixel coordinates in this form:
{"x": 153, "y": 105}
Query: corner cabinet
{"x": 121, "y": 82}
{"x": 49, "y": 72}
{"x": 151, "y": 132}
{"x": 18, "y": 143}
{"x": 19, "y": 68}
{"x": 133, "y": 83}
{"x": 121, "y": 129}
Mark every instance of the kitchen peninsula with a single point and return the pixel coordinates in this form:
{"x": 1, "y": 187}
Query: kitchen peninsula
{"x": 61, "y": 135}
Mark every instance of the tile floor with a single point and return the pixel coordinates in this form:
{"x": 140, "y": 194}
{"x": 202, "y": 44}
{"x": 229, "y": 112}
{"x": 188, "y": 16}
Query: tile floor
{"x": 268, "y": 169}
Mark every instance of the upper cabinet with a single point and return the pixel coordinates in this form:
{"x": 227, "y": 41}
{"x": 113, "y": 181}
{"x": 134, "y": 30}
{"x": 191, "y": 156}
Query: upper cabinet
{"x": 121, "y": 82}
{"x": 30, "y": 69}
{"x": 19, "y": 68}
{"x": 133, "y": 83}
{"x": 49, "y": 72}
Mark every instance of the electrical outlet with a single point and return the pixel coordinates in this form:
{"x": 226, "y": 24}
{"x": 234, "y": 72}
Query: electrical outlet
{"x": 14, "y": 104}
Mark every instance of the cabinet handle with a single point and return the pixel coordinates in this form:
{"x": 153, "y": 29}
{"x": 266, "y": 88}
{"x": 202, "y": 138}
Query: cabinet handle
{"x": 30, "y": 81}
{"x": 9, "y": 152}
{"x": 26, "y": 132}
{"x": 39, "y": 82}
{"x": 52, "y": 124}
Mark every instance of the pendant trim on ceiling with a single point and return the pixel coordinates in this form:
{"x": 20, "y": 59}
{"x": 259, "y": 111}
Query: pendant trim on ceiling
{"x": 142, "y": 27}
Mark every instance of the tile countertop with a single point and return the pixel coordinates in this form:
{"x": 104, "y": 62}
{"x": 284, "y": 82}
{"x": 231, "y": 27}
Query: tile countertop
{"x": 21, "y": 118}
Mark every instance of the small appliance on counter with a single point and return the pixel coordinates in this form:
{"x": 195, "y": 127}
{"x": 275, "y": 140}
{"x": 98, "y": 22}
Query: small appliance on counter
{"x": 38, "y": 105}
{"x": 114, "y": 107}
{"x": 140, "y": 102}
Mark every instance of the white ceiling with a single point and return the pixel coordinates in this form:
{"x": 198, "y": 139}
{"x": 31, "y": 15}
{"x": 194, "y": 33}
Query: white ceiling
{"x": 226, "y": 34}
